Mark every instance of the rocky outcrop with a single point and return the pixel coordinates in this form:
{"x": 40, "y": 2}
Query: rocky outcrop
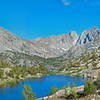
{"x": 89, "y": 36}
{"x": 62, "y": 92}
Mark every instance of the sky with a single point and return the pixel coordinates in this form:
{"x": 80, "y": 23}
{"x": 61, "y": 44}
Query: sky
{"x": 32, "y": 19}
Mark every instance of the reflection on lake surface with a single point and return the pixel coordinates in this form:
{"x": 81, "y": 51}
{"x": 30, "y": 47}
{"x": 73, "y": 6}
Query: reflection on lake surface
{"x": 41, "y": 86}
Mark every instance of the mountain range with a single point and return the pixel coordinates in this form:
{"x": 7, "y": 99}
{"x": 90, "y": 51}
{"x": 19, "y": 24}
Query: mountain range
{"x": 52, "y": 52}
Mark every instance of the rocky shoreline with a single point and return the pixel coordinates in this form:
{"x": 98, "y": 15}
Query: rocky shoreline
{"x": 62, "y": 92}
{"x": 8, "y": 82}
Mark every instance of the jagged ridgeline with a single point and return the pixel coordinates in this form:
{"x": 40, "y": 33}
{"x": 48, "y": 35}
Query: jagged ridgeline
{"x": 52, "y": 52}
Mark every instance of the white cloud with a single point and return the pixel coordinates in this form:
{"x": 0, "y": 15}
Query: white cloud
{"x": 66, "y": 3}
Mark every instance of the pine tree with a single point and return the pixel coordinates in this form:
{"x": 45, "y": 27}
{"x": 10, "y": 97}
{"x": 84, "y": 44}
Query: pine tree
{"x": 54, "y": 89}
{"x": 27, "y": 93}
{"x": 89, "y": 88}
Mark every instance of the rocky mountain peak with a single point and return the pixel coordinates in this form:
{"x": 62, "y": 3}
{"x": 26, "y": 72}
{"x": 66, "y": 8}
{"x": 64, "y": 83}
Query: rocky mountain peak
{"x": 52, "y": 46}
{"x": 73, "y": 34}
{"x": 88, "y": 36}
{"x": 11, "y": 42}
{"x": 64, "y": 47}
{"x": 94, "y": 28}
{"x": 56, "y": 45}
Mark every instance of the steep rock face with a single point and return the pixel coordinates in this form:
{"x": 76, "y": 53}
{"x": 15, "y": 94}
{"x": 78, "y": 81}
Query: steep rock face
{"x": 88, "y": 36}
{"x": 57, "y": 45}
{"x": 45, "y": 47}
{"x": 87, "y": 42}
{"x": 62, "y": 48}
{"x": 11, "y": 42}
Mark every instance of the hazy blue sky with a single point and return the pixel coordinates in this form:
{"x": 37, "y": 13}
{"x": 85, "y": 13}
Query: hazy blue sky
{"x": 30, "y": 19}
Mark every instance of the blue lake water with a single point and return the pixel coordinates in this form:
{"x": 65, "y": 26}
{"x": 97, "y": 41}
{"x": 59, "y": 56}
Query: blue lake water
{"x": 41, "y": 86}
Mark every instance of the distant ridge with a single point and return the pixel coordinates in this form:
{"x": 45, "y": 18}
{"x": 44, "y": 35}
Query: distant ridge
{"x": 45, "y": 47}
{"x": 52, "y": 52}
